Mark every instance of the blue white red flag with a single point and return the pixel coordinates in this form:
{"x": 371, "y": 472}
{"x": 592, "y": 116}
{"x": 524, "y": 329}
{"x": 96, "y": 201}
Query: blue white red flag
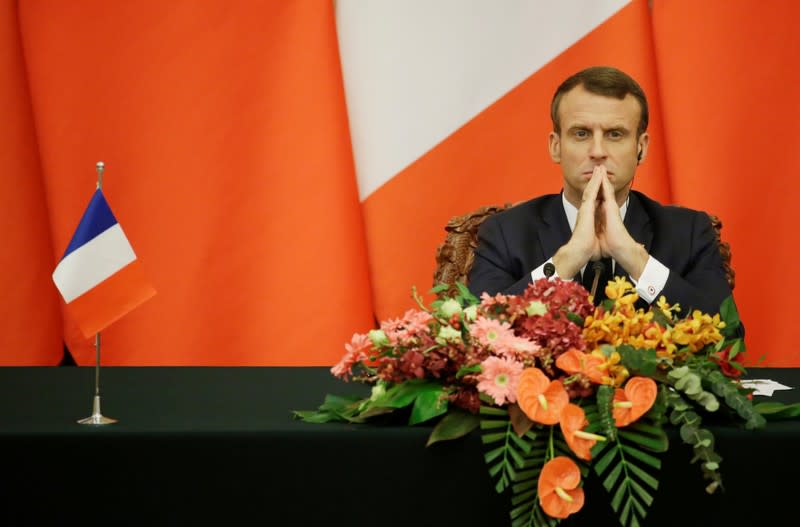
{"x": 99, "y": 276}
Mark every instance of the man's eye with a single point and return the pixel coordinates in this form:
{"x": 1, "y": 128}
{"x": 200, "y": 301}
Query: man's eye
{"x": 615, "y": 134}
{"x": 581, "y": 134}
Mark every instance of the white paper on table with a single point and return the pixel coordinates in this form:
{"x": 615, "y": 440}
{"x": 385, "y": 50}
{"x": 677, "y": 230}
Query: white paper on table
{"x": 764, "y": 386}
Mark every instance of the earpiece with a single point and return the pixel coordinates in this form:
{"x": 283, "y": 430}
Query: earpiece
{"x": 639, "y": 157}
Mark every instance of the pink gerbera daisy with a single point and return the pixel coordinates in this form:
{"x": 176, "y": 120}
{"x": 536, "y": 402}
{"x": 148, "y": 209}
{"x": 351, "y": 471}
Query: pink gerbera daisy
{"x": 498, "y": 379}
{"x": 490, "y": 332}
{"x": 355, "y": 351}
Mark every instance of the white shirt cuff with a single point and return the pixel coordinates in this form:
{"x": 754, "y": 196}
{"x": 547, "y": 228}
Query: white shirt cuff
{"x": 653, "y": 279}
{"x": 538, "y": 273}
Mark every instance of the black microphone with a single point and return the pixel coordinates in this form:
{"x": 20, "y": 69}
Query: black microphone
{"x": 549, "y": 269}
{"x": 599, "y": 268}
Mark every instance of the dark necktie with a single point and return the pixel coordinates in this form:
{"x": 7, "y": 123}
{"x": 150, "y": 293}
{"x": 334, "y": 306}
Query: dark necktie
{"x": 606, "y": 275}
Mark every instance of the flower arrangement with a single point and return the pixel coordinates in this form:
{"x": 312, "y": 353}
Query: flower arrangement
{"x": 557, "y": 387}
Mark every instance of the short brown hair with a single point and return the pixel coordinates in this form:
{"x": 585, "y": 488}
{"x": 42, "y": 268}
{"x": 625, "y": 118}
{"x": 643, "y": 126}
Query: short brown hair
{"x": 602, "y": 80}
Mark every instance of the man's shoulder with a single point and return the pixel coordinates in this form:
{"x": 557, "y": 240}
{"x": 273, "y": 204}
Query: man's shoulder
{"x": 659, "y": 211}
{"x": 536, "y": 207}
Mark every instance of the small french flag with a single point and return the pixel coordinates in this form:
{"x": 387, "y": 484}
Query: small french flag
{"x": 99, "y": 276}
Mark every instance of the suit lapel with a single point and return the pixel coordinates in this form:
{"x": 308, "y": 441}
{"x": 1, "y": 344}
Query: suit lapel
{"x": 637, "y": 221}
{"x": 556, "y": 230}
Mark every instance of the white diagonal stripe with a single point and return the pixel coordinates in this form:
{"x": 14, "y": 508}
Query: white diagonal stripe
{"x": 415, "y": 71}
{"x": 93, "y": 262}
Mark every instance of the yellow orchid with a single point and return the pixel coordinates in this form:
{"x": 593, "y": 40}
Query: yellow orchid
{"x": 615, "y": 373}
{"x": 667, "y": 309}
{"x": 621, "y": 291}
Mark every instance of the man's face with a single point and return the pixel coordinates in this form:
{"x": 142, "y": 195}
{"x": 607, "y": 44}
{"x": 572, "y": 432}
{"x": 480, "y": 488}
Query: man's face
{"x": 597, "y": 130}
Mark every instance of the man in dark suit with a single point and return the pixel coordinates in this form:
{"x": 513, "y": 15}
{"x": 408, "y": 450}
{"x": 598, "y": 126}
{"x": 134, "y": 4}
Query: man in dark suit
{"x": 599, "y": 137}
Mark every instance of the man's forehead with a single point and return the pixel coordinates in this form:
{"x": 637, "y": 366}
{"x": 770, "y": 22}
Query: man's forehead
{"x": 579, "y": 106}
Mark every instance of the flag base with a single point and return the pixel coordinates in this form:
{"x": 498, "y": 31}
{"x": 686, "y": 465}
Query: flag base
{"x": 96, "y": 418}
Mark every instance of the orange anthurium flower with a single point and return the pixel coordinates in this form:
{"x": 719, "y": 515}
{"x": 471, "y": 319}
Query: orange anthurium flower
{"x": 559, "y": 494}
{"x": 591, "y": 366}
{"x": 573, "y": 420}
{"x": 540, "y": 398}
{"x": 634, "y": 401}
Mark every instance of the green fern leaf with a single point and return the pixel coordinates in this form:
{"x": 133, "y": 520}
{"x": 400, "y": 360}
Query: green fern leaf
{"x": 642, "y": 456}
{"x": 602, "y": 463}
{"x": 623, "y": 466}
{"x": 613, "y": 476}
{"x": 494, "y": 454}
{"x": 655, "y": 444}
{"x": 644, "y": 476}
{"x": 487, "y": 439}
{"x": 647, "y": 498}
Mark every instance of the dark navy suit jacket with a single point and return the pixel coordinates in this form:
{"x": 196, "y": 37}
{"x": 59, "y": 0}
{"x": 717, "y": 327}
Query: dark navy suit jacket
{"x": 516, "y": 241}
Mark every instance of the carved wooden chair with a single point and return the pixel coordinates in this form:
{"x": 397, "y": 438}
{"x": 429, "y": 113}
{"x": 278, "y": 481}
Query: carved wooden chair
{"x": 454, "y": 257}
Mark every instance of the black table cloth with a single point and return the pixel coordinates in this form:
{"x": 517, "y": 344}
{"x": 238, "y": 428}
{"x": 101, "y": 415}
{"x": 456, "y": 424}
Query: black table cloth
{"x": 202, "y": 445}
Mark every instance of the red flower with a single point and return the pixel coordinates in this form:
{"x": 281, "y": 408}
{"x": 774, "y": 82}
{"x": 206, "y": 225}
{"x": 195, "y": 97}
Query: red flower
{"x": 560, "y": 296}
{"x": 723, "y": 360}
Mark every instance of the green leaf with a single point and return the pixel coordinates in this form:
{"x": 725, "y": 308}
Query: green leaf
{"x": 647, "y": 498}
{"x": 492, "y": 438}
{"x": 465, "y": 370}
{"x": 519, "y": 461}
{"x": 647, "y": 428}
{"x": 736, "y": 348}
{"x": 729, "y": 315}
{"x": 491, "y": 410}
{"x": 523, "y": 496}
{"x": 455, "y": 424}
{"x": 660, "y": 318}
{"x": 333, "y": 402}
{"x": 626, "y": 478}
{"x": 495, "y": 469}
{"x": 656, "y": 444}
{"x": 605, "y": 401}
{"x": 439, "y": 288}
{"x": 502, "y": 484}
{"x": 404, "y": 394}
{"x": 612, "y": 477}
{"x": 315, "y": 416}
{"x": 603, "y": 463}
{"x": 370, "y": 411}
{"x": 487, "y": 424}
{"x": 494, "y": 454}
{"x": 428, "y": 404}
{"x": 466, "y": 294}
{"x": 523, "y": 444}
{"x": 775, "y": 410}
{"x": 644, "y": 476}
{"x": 642, "y": 456}
{"x": 626, "y": 509}
{"x": 575, "y": 319}
{"x": 639, "y": 361}
{"x": 616, "y": 501}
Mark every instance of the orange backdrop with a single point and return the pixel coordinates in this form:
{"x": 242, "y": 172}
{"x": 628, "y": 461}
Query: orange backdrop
{"x": 223, "y": 128}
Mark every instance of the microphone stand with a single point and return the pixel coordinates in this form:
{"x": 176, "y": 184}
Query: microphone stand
{"x": 599, "y": 268}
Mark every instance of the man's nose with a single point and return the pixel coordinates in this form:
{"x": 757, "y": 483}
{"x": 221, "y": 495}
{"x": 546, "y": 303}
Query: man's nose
{"x": 597, "y": 148}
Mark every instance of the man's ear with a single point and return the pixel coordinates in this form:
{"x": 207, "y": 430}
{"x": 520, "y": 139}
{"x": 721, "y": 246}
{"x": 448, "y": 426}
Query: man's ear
{"x": 644, "y": 141}
{"x": 554, "y": 145}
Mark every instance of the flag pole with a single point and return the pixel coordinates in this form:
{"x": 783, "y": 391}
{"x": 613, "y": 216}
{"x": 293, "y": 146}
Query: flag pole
{"x": 97, "y": 418}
